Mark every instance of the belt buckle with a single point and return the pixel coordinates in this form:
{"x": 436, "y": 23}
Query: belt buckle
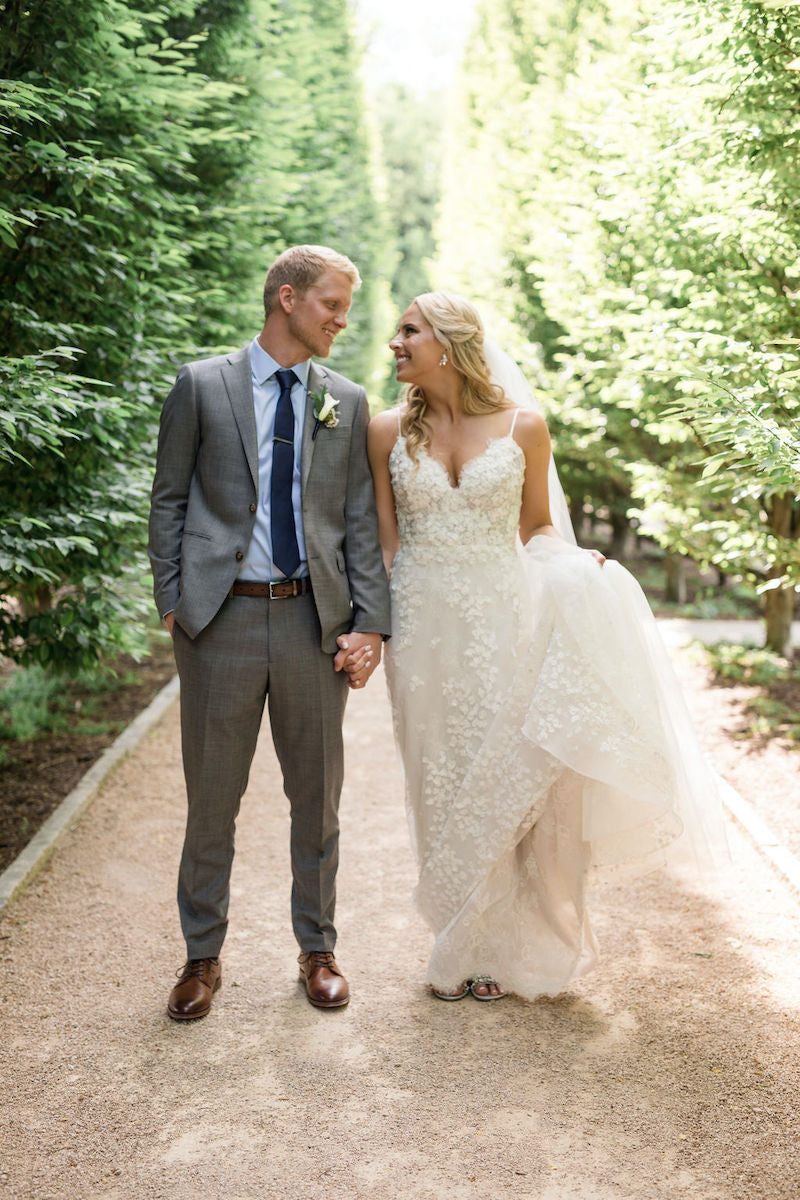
{"x": 280, "y": 589}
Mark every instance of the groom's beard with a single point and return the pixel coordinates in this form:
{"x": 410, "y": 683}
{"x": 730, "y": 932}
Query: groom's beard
{"x": 312, "y": 332}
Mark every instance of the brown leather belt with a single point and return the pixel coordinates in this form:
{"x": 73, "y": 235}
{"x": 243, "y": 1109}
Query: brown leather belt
{"x": 280, "y": 590}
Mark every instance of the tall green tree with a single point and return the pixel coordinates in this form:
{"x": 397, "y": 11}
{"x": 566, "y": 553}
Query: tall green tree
{"x": 411, "y": 140}
{"x": 735, "y": 331}
{"x": 410, "y": 136}
{"x": 154, "y": 160}
{"x": 649, "y": 205}
{"x": 331, "y": 196}
{"x": 96, "y": 158}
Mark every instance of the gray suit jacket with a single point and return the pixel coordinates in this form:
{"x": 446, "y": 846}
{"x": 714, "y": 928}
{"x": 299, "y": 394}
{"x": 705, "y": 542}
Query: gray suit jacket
{"x": 205, "y": 494}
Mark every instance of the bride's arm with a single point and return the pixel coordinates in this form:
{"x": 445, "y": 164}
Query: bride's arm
{"x": 535, "y": 519}
{"x": 381, "y": 436}
{"x": 533, "y": 439}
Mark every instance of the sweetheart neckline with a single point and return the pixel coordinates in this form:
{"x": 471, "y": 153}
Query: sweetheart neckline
{"x": 455, "y": 487}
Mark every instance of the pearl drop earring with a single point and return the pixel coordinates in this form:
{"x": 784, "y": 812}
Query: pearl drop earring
{"x": 443, "y": 361}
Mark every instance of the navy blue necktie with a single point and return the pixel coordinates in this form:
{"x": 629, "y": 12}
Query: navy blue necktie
{"x": 285, "y": 553}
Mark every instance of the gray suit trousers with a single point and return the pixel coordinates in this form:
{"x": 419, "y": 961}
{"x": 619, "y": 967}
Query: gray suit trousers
{"x": 257, "y": 650}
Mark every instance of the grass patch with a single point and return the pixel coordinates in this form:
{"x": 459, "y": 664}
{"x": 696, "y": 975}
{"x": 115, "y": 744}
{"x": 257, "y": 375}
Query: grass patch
{"x": 749, "y": 664}
{"x": 719, "y": 604}
{"x": 773, "y": 710}
{"x": 705, "y": 598}
{"x": 25, "y": 702}
{"x": 35, "y": 703}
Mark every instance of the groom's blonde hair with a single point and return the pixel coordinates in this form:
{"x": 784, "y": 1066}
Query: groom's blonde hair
{"x": 457, "y": 324}
{"x": 301, "y": 266}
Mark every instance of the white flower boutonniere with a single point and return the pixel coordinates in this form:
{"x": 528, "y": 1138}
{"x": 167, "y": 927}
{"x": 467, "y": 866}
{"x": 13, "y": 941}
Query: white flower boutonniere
{"x": 325, "y": 406}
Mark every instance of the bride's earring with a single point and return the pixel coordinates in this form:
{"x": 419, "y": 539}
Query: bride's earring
{"x": 443, "y": 361}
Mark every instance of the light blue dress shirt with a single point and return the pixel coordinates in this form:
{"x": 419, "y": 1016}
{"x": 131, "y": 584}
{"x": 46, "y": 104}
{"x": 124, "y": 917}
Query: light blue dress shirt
{"x": 258, "y": 562}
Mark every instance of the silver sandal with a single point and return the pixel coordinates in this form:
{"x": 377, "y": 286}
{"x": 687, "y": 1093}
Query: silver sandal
{"x": 457, "y": 993}
{"x": 487, "y": 981}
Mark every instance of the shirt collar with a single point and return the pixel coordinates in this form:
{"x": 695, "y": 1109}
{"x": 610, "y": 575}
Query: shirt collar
{"x": 263, "y": 366}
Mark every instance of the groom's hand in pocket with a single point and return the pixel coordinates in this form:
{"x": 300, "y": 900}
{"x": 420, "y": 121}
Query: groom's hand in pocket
{"x": 358, "y": 656}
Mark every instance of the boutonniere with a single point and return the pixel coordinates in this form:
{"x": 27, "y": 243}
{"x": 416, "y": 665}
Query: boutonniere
{"x": 324, "y": 410}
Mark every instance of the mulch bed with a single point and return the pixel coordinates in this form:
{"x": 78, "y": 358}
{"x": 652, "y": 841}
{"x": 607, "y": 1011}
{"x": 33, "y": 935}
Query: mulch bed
{"x": 39, "y": 773}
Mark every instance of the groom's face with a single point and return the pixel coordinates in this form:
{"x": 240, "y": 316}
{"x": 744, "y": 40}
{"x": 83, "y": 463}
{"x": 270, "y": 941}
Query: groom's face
{"x": 316, "y": 318}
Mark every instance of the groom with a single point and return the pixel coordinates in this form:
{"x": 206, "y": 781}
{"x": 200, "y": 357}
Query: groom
{"x": 268, "y": 573}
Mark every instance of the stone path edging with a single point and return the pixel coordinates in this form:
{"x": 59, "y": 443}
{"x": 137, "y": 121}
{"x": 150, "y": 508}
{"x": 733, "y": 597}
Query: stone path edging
{"x": 765, "y": 841}
{"x": 30, "y": 861}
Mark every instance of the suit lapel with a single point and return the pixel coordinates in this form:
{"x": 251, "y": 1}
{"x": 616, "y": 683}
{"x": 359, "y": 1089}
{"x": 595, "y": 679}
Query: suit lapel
{"x": 317, "y": 379}
{"x": 236, "y": 376}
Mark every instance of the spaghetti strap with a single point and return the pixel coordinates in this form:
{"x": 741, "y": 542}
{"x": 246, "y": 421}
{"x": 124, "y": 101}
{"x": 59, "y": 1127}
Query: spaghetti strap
{"x": 513, "y": 422}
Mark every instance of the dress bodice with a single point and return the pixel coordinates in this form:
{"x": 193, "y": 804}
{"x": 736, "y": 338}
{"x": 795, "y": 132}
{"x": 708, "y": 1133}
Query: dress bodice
{"x": 478, "y": 516}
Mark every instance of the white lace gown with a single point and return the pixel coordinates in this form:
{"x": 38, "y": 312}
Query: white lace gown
{"x": 539, "y": 725}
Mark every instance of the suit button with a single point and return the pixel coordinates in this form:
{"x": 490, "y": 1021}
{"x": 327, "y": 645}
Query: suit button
{"x": 252, "y": 508}
{"x": 239, "y": 556}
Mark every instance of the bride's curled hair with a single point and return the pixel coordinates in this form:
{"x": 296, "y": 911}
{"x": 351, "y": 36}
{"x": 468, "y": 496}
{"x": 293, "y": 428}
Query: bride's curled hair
{"x": 457, "y": 325}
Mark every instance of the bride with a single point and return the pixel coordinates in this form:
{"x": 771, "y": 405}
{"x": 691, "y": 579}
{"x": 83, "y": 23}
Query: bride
{"x": 539, "y": 723}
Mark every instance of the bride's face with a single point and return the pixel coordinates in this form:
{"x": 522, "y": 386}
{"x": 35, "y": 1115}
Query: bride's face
{"x": 417, "y": 352}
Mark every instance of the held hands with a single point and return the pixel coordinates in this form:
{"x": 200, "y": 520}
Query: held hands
{"x": 358, "y": 656}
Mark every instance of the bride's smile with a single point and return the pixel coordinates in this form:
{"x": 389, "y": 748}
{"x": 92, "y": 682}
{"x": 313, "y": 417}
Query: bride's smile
{"x": 417, "y": 351}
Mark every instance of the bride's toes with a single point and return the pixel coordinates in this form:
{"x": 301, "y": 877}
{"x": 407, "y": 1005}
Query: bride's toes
{"x": 456, "y": 993}
{"x": 485, "y": 988}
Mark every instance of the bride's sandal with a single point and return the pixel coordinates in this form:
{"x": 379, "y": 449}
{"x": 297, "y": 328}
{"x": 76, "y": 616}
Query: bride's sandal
{"x": 456, "y": 993}
{"x": 487, "y": 982}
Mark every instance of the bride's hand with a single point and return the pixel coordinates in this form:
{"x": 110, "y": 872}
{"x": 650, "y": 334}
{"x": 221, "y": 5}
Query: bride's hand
{"x": 359, "y": 655}
{"x": 596, "y": 555}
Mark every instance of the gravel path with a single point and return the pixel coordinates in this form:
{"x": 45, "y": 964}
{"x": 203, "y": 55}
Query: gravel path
{"x": 668, "y": 1074}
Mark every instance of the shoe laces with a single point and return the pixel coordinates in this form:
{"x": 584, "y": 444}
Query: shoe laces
{"x": 195, "y": 968}
{"x": 319, "y": 958}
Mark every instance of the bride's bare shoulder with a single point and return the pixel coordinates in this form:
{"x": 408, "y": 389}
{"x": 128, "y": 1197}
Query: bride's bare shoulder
{"x": 530, "y": 426}
{"x": 383, "y": 429}
{"x": 530, "y": 423}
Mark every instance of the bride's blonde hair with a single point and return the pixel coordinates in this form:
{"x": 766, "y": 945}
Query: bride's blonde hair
{"x": 457, "y": 325}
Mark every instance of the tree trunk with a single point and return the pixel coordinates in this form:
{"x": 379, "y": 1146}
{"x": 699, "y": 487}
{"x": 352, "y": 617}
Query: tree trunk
{"x": 675, "y": 569}
{"x": 620, "y": 536}
{"x": 778, "y": 612}
{"x": 779, "y": 602}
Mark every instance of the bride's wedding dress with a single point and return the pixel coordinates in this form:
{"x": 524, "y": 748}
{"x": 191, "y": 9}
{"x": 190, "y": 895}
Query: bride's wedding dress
{"x": 540, "y": 726}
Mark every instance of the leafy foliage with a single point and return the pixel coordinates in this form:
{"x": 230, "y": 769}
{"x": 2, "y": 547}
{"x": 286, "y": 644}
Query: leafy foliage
{"x": 771, "y": 711}
{"x": 410, "y": 134}
{"x": 636, "y": 241}
{"x": 154, "y": 160}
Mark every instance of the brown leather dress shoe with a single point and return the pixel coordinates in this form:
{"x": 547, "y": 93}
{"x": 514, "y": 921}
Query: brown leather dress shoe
{"x": 326, "y": 986}
{"x": 191, "y": 997}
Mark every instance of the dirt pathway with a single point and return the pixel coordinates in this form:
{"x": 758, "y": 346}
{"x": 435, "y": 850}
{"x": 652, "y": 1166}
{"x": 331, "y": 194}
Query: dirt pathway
{"x": 671, "y": 1073}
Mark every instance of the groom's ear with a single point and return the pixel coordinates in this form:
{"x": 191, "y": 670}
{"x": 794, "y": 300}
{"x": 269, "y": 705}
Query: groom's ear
{"x": 286, "y": 297}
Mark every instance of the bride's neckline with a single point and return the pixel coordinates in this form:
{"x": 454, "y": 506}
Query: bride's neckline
{"x": 454, "y": 487}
